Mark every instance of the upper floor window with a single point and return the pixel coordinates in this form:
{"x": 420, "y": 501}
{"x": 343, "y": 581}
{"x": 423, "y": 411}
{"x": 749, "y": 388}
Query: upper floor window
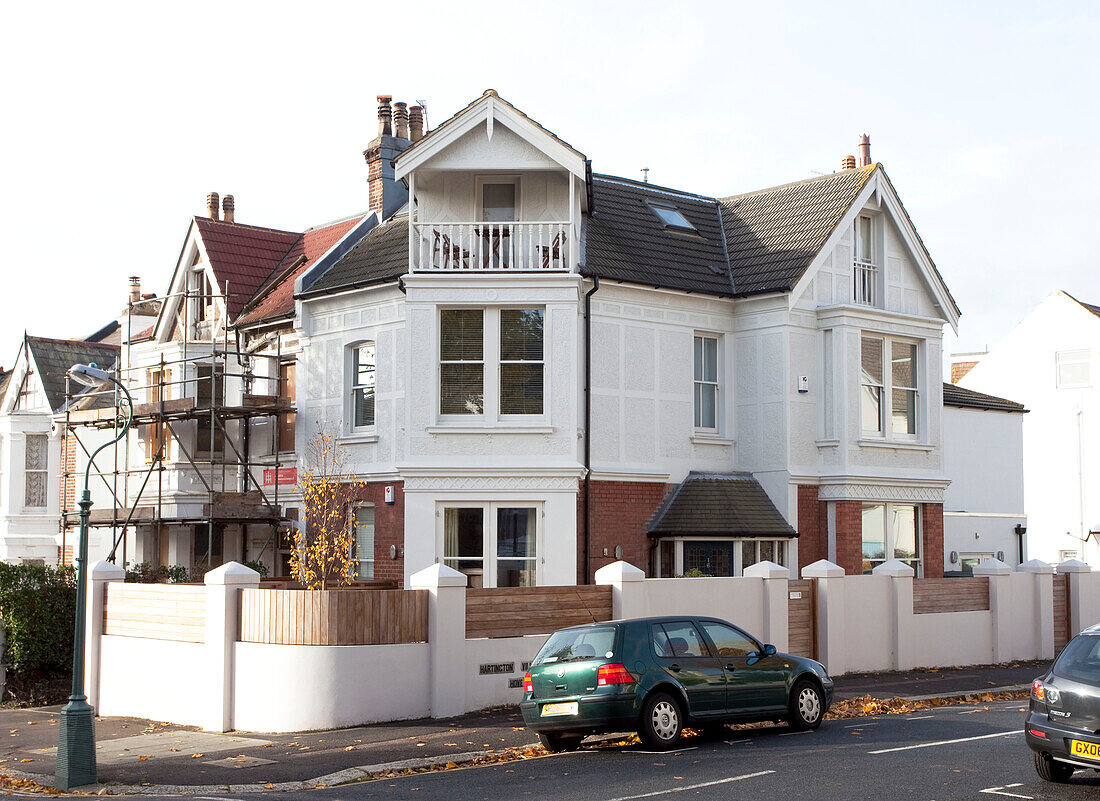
{"x": 498, "y": 201}
{"x": 706, "y": 382}
{"x": 362, "y": 385}
{"x": 287, "y": 392}
{"x": 894, "y": 391}
{"x": 158, "y": 388}
{"x": 672, "y": 218}
{"x": 1072, "y": 368}
{"x": 480, "y": 348}
{"x": 864, "y": 269}
{"x": 36, "y": 463}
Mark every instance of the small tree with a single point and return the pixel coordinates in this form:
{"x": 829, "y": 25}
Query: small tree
{"x": 322, "y": 547}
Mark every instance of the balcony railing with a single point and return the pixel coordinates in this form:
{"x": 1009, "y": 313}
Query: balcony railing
{"x": 864, "y": 283}
{"x": 481, "y": 246}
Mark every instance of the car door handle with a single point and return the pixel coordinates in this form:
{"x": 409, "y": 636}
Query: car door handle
{"x": 674, "y": 668}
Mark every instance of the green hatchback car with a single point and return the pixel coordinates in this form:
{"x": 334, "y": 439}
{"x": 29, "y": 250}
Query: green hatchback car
{"x": 657, "y": 675}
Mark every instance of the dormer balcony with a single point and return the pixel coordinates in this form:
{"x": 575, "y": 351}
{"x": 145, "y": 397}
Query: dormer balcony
{"x": 535, "y": 246}
{"x": 864, "y": 282}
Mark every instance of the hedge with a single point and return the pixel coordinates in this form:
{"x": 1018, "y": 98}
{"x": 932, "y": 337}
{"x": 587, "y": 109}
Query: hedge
{"x": 38, "y": 613}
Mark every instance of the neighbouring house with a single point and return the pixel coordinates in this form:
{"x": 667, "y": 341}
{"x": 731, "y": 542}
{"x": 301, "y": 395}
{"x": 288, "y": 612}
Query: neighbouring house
{"x": 983, "y": 508}
{"x": 1050, "y": 362}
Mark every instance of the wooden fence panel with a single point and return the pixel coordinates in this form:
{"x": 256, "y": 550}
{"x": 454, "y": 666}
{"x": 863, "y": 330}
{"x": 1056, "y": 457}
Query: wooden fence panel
{"x": 333, "y": 617}
{"x": 1061, "y": 612}
{"x": 515, "y": 611}
{"x": 802, "y": 618}
{"x": 156, "y": 611}
{"x": 933, "y": 595}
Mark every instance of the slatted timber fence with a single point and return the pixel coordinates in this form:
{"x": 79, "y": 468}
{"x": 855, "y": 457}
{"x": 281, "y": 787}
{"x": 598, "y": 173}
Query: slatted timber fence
{"x": 333, "y": 617}
{"x": 933, "y": 595}
{"x": 156, "y": 611}
{"x": 1061, "y": 612}
{"x": 515, "y": 611}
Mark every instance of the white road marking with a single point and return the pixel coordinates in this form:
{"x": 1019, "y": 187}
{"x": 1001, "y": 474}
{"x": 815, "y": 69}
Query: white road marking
{"x": 921, "y": 717}
{"x": 793, "y": 733}
{"x": 860, "y": 725}
{"x": 998, "y": 791}
{"x": 666, "y": 753}
{"x": 945, "y": 742}
{"x": 690, "y": 786}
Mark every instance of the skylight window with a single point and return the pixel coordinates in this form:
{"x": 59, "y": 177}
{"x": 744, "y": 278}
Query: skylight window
{"x": 672, "y": 218}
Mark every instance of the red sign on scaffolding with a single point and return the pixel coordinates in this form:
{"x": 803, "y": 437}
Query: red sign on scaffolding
{"x": 285, "y": 475}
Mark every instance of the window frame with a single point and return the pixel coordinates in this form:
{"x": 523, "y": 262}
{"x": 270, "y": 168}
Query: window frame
{"x": 889, "y": 543}
{"x": 489, "y": 558}
{"x": 357, "y": 558}
{"x": 885, "y": 431}
{"x": 43, "y": 471}
{"x": 676, "y": 546}
{"x": 353, "y": 387}
{"x": 1065, "y": 358}
{"x": 687, "y": 227}
{"x": 697, "y": 383}
{"x": 286, "y": 422}
{"x": 479, "y": 197}
{"x": 501, "y": 362}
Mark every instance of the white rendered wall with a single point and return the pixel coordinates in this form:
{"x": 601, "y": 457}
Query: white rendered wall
{"x": 1062, "y": 428}
{"x": 483, "y": 691}
{"x": 157, "y": 679}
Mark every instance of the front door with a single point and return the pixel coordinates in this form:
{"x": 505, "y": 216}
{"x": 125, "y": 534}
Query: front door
{"x": 680, "y": 650}
{"x": 749, "y": 688}
{"x": 709, "y": 558}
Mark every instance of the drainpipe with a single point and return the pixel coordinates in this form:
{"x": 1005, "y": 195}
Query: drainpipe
{"x": 588, "y": 415}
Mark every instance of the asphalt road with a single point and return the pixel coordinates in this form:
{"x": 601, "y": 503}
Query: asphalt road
{"x": 934, "y": 755}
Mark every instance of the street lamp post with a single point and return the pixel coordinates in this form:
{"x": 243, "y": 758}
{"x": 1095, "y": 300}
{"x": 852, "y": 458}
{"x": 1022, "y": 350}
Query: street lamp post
{"x": 76, "y": 764}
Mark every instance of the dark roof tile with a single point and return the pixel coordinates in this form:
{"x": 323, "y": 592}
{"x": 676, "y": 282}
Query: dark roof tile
{"x": 954, "y": 395}
{"x": 382, "y": 255}
{"x": 54, "y": 357}
{"x": 719, "y": 505}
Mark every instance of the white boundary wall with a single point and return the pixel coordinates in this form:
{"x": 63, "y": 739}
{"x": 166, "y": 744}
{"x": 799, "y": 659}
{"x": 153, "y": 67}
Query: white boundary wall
{"x": 863, "y": 623}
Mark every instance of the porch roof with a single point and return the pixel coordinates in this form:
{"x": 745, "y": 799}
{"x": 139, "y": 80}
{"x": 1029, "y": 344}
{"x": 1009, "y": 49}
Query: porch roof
{"x": 719, "y": 505}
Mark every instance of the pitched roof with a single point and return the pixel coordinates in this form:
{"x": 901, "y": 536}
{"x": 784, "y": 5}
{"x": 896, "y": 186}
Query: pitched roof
{"x": 1094, "y": 309}
{"x": 774, "y": 234}
{"x": 954, "y": 395}
{"x": 275, "y": 297}
{"x": 54, "y": 357}
{"x": 719, "y": 505}
{"x": 5, "y": 379}
{"x": 242, "y": 256}
{"x": 625, "y": 240}
{"x": 382, "y": 255}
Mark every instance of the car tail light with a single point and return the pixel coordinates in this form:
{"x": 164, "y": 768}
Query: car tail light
{"x": 528, "y": 684}
{"x": 1038, "y": 691}
{"x": 1037, "y": 733}
{"x": 613, "y": 674}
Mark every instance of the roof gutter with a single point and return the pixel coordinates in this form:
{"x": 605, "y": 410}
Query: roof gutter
{"x": 588, "y": 422}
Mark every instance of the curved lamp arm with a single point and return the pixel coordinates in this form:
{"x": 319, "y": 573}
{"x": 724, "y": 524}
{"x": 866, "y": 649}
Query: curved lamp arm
{"x": 121, "y": 434}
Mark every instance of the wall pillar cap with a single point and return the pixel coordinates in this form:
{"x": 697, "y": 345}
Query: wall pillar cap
{"x": 437, "y": 575}
{"x": 768, "y": 570}
{"x": 895, "y": 568}
{"x": 1073, "y": 566}
{"x": 619, "y": 573}
{"x": 992, "y": 567}
{"x": 106, "y": 571}
{"x": 232, "y": 573}
{"x": 1036, "y": 566}
{"x": 823, "y": 568}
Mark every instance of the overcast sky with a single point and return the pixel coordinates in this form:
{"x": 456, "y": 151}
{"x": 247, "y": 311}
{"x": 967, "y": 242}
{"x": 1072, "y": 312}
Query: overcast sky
{"x": 119, "y": 118}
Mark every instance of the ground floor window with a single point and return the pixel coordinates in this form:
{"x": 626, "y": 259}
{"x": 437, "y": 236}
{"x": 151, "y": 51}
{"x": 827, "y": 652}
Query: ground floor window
{"x": 362, "y": 553}
{"x": 716, "y": 556}
{"x": 494, "y": 544}
{"x": 891, "y": 531}
{"x": 969, "y": 561}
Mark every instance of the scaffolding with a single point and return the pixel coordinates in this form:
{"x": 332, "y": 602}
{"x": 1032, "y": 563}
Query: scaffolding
{"x": 177, "y": 392}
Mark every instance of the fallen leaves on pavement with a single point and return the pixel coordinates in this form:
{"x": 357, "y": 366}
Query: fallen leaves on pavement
{"x": 869, "y": 706}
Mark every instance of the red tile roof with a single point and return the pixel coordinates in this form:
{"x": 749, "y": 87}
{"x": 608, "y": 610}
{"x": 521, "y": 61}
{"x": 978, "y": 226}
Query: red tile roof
{"x": 275, "y": 296}
{"x": 243, "y": 256}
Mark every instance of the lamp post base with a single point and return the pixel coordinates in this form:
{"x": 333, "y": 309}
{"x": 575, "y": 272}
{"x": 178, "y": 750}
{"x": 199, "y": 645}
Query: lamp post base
{"x": 76, "y": 746}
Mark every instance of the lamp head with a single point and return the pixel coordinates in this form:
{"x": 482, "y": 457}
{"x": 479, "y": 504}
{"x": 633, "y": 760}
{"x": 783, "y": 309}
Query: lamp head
{"x": 90, "y": 375}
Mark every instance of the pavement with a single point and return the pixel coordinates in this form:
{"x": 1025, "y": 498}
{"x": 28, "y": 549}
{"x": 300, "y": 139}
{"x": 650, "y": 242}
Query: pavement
{"x": 161, "y": 758}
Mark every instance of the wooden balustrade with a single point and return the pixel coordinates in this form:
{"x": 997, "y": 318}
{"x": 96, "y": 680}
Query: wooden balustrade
{"x": 480, "y": 246}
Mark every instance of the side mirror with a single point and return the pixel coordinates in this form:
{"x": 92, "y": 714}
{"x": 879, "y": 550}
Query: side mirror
{"x": 769, "y": 650}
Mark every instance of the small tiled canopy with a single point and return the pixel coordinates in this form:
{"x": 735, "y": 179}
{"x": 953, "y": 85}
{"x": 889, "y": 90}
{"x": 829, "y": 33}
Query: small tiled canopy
{"x": 719, "y": 505}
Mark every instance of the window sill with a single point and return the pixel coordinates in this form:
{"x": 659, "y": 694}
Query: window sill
{"x": 895, "y": 445}
{"x": 702, "y": 438}
{"x": 827, "y": 443}
{"x": 358, "y": 438}
{"x": 489, "y": 429}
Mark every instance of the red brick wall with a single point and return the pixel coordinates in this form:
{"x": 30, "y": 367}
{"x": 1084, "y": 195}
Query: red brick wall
{"x": 68, "y": 483}
{"x": 620, "y": 512}
{"x": 932, "y": 527}
{"x": 849, "y": 536}
{"x": 812, "y": 525}
{"x": 389, "y": 528}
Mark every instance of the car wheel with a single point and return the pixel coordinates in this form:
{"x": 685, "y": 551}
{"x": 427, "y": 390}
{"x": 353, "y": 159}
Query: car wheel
{"x": 806, "y": 706}
{"x": 556, "y": 743}
{"x": 662, "y": 721}
{"x": 1052, "y": 771}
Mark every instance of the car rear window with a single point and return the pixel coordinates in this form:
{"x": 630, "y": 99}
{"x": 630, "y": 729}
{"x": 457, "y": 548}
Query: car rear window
{"x": 573, "y": 645}
{"x": 1080, "y": 661}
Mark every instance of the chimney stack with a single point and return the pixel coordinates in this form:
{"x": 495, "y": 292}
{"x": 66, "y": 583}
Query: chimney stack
{"x": 135, "y": 289}
{"x": 848, "y": 163}
{"x": 401, "y": 120}
{"x": 227, "y": 208}
{"x": 384, "y": 115}
{"x": 865, "y": 151}
{"x": 212, "y": 205}
{"x": 416, "y": 123}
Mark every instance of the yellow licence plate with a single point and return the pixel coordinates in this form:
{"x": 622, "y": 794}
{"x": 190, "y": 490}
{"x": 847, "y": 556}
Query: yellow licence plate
{"x": 566, "y": 708}
{"x": 1083, "y": 749}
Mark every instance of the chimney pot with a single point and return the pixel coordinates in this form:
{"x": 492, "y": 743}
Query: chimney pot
{"x": 865, "y": 151}
{"x": 135, "y": 288}
{"x": 227, "y": 208}
{"x": 416, "y": 123}
{"x": 401, "y": 120}
{"x": 384, "y": 115}
{"x": 212, "y": 205}
{"x": 848, "y": 163}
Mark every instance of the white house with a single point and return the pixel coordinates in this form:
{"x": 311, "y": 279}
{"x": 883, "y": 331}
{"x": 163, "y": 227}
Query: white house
{"x": 1050, "y": 362}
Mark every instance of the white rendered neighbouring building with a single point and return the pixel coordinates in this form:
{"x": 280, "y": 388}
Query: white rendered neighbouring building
{"x": 537, "y": 369}
{"x": 1050, "y": 362}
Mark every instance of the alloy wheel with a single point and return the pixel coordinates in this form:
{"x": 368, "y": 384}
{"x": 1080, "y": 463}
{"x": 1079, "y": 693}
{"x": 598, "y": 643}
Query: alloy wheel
{"x": 665, "y": 720}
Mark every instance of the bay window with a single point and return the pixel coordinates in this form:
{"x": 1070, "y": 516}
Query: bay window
{"x": 35, "y": 469}
{"x": 495, "y": 545}
{"x": 898, "y": 386}
{"x": 891, "y": 531}
{"x": 521, "y": 361}
{"x": 461, "y": 361}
